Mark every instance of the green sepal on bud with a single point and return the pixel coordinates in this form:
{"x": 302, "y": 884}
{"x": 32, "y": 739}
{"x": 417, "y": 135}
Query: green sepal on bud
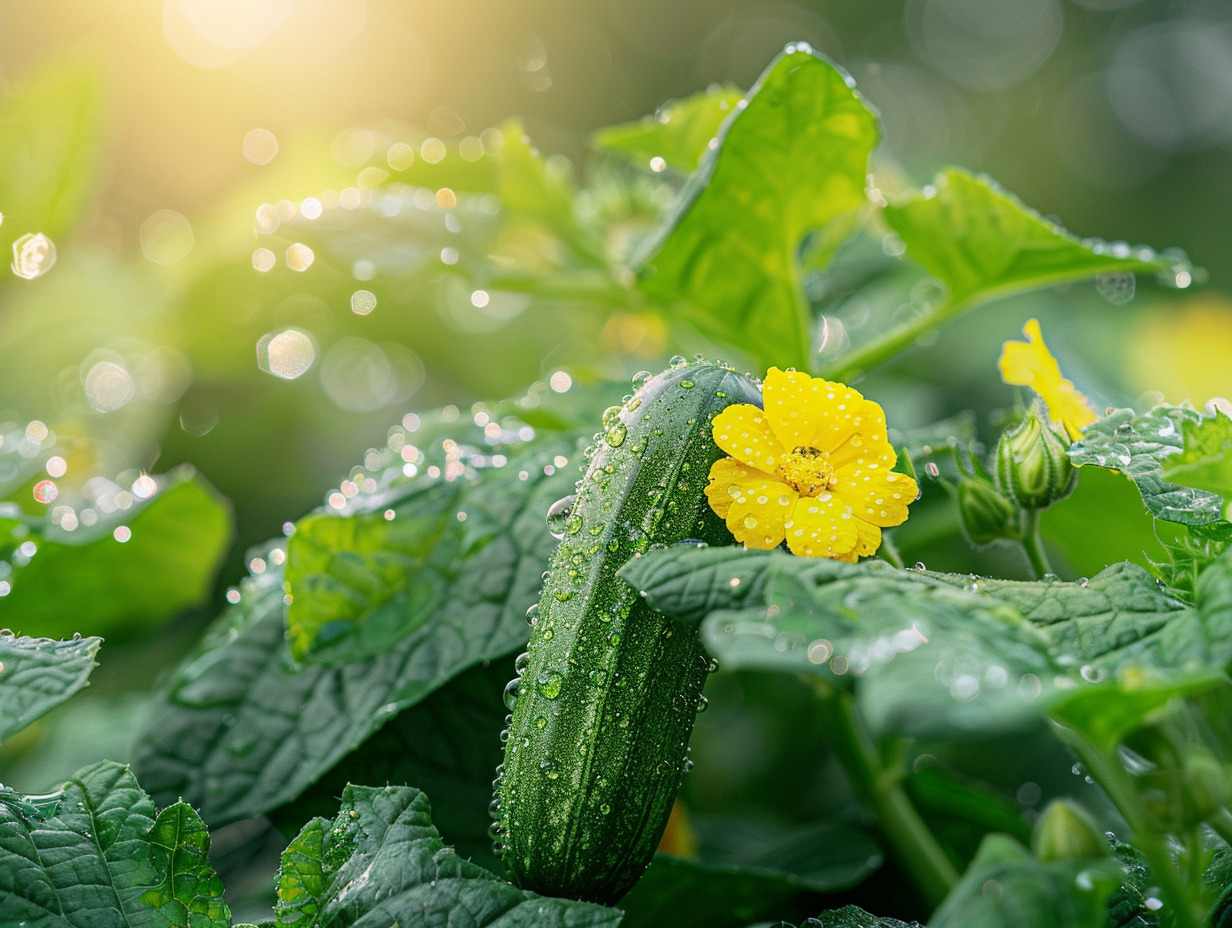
{"x": 1033, "y": 466}
{"x": 1065, "y": 831}
{"x": 986, "y": 515}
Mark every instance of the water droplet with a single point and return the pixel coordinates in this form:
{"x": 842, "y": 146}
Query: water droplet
{"x": 550, "y": 684}
{"x": 702, "y": 703}
{"x": 611, "y": 416}
{"x": 511, "y": 692}
{"x": 1117, "y": 289}
{"x": 677, "y": 361}
{"x": 615, "y": 435}
{"x": 549, "y": 769}
{"x": 532, "y": 615}
{"x": 519, "y": 665}
{"x": 558, "y": 515}
{"x": 686, "y": 384}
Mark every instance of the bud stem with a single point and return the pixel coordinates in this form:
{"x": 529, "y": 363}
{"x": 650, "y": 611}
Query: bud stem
{"x": 1033, "y": 545}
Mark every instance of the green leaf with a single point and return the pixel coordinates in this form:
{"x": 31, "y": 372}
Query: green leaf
{"x": 983, "y": 243}
{"x": 679, "y": 132}
{"x": 447, "y": 745}
{"x": 698, "y": 894}
{"x": 301, "y": 876}
{"x": 188, "y": 892}
{"x": 850, "y": 916}
{"x": 792, "y": 162}
{"x": 360, "y": 583}
{"x": 104, "y": 859}
{"x": 764, "y": 873}
{"x": 1120, "y": 617}
{"x": 37, "y": 674}
{"x": 1127, "y": 906}
{"x": 240, "y": 729}
{"x": 175, "y": 541}
{"x": 51, "y": 140}
{"x": 1166, "y": 442}
{"x": 1104, "y": 714}
{"x": 1026, "y": 893}
{"x": 381, "y": 859}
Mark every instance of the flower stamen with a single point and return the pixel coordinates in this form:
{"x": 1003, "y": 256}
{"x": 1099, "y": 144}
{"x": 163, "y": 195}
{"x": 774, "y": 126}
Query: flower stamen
{"x": 808, "y": 471}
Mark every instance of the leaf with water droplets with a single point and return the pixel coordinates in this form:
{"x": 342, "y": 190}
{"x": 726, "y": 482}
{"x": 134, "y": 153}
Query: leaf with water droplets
{"x": 983, "y": 243}
{"x": 37, "y": 674}
{"x": 1164, "y": 444}
{"x": 240, "y": 729}
{"x": 793, "y": 161}
{"x": 446, "y": 745}
{"x": 920, "y": 647}
{"x": 381, "y": 858}
{"x": 173, "y": 544}
{"x": 679, "y": 134}
{"x": 104, "y": 858}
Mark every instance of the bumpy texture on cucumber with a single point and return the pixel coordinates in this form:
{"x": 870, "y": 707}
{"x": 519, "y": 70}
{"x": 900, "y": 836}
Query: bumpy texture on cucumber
{"x": 609, "y": 689}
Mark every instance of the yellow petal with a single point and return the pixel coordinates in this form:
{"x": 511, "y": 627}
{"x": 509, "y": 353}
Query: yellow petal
{"x": 744, "y": 432}
{"x": 822, "y": 527}
{"x": 1031, "y": 364}
{"x": 812, "y": 412}
{"x": 757, "y": 518}
{"x": 875, "y": 493}
{"x": 731, "y": 481}
{"x": 870, "y": 538}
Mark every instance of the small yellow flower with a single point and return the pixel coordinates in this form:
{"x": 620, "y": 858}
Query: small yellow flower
{"x": 1031, "y": 364}
{"x": 814, "y": 467}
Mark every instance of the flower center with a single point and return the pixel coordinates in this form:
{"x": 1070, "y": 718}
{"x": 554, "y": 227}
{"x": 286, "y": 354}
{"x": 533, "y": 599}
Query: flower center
{"x": 808, "y": 470}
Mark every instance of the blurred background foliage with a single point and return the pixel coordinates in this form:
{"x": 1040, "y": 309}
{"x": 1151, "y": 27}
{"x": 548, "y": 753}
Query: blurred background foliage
{"x": 256, "y": 237}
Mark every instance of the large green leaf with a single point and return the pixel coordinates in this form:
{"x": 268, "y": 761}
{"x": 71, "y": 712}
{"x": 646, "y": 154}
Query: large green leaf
{"x": 983, "y": 243}
{"x": 680, "y": 132}
{"x": 1005, "y": 887}
{"x": 89, "y": 577}
{"x": 447, "y": 745}
{"x": 104, "y": 858}
{"x": 791, "y": 162}
{"x": 37, "y": 674}
{"x": 240, "y": 728}
{"x": 923, "y": 646}
{"x": 1165, "y": 443}
{"x": 381, "y": 862}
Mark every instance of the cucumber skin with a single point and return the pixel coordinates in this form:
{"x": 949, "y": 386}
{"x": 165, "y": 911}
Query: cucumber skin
{"x": 610, "y": 688}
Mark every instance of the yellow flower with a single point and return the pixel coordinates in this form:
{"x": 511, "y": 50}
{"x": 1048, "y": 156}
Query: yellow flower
{"x": 813, "y": 467}
{"x": 1031, "y": 364}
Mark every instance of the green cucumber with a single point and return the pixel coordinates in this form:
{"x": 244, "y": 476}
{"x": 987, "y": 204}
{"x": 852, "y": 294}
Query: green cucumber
{"x": 609, "y": 689}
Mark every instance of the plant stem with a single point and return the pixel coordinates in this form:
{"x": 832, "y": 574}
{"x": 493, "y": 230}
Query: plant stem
{"x": 889, "y": 552}
{"x": 1033, "y": 545}
{"x": 883, "y": 348}
{"x": 1109, "y": 774}
{"x": 880, "y": 789}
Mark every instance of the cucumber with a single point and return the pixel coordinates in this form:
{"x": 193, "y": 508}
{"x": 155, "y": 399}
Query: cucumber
{"x": 609, "y": 689}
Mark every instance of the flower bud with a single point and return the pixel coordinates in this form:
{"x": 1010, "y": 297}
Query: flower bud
{"x": 1066, "y": 832}
{"x": 1033, "y": 468}
{"x": 986, "y": 515}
